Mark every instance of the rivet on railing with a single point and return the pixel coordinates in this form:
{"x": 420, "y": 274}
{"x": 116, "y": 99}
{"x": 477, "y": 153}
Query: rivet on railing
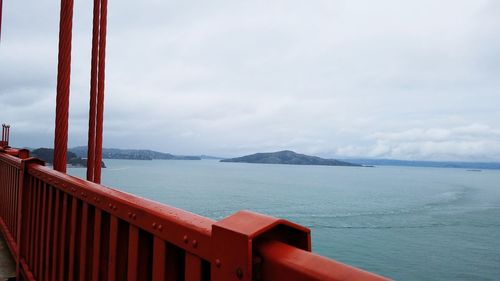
{"x": 133, "y": 216}
{"x": 129, "y": 214}
{"x": 185, "y": 239}
{"x": 114, "y": 207}
{"x": 239, "y": 273}
{"x": 218, "y": 263}
{"x": 154, "y": 225}
{"x": 195, "y": 244}
{"x": 160, "y": 227}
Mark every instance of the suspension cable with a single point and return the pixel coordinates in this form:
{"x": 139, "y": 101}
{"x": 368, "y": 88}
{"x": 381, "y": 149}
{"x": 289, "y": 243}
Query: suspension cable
{"x": 63, "y": 86}
{"x": 97, "y": 73}
{"x": 93, "y": 91}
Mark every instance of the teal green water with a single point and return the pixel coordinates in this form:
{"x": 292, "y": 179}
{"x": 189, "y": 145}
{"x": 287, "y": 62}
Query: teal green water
{"x": 404, "y": 223}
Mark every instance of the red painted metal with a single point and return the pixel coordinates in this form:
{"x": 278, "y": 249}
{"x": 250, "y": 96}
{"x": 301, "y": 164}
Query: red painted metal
{"x": 93, "y": 91}
{"x": 5, "y": 136}
{"x": 96, "y": 245}
{"x": 100, "y": 90}
{"x": 63, "y": 86}
{"x": 284, "y": 262}
{"x": 66, "y": 228}
{"x": 159, "y": 259}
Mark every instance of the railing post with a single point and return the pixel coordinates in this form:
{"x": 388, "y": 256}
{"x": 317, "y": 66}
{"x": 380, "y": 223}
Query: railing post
{"x": 5, "y": 141}
{"x": 234, "y": 238}
{"x": 23, "y": 185}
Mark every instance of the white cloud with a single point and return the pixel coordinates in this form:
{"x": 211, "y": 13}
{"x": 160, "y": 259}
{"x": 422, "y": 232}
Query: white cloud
{"x": 476, "y": 142}
{"x": 411, "y": 79}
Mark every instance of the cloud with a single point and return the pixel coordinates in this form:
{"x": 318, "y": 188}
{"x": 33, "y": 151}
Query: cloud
{"x": 361, "y": 78}
{"x": 476, "y": 142}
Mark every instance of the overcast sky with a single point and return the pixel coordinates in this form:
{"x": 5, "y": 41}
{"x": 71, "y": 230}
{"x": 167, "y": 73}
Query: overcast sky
{"x": 382, "y": 79}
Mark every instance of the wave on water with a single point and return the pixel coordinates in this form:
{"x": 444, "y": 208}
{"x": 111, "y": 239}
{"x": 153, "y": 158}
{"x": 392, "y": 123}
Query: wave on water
{"x": 430, "y": 225}
{"x": 386, "y": 226}
{"x": 118, "y": 169}
{"x": 443, "y": 199}
{"x": 450, "y": 197}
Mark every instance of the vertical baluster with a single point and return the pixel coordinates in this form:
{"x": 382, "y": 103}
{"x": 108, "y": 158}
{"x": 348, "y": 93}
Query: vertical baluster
{"x": 32, "y": 222}
{"x": 2, "y": 189}
{"x": 159, "y": 257}
{"x": 16, "y": 202}
{"x": 12, "y": 202}
{"x": 43, "y": 211}
{"x": 28, "y": 193}
{"x": 49, "y": 233}
{"x": 72, "y": 240}
{"x": 113, "y": 237}
{"x": 2, "y": 177}
{"x": 133, "y": 253}
{"x": 97, "y": 245}
{"x": 83, "y": 241}
{"x": 9, "y": 199}
{"x": 62, "y": 246}
{"x": 193, "y": 268}
{"x": 38, "y": 219}
{"x": 56, "y": 230}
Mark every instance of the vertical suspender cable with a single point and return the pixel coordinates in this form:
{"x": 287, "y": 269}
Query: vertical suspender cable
{"x": 93, "y": 92}
{"x": 63, "y": 86}
{"x": 100, "y": 91}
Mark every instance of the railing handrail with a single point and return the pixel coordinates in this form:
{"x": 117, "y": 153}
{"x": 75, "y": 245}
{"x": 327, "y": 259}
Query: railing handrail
{"x": 250, "y": 245}
{"x": 284, "y": 262}
{"x": 136, "y": 210}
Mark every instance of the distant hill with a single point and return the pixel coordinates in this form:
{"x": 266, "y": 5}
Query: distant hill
{"x": 432, "y": 164}
{"x": 47, "y": 155}
{"x": 288, "y": 157}
{"x": 132, "y": 154}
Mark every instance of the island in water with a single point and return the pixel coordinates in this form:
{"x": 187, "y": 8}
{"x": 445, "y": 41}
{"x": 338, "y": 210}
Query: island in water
{"x": 288, "y": 157}
{"x": 73, "y": 160}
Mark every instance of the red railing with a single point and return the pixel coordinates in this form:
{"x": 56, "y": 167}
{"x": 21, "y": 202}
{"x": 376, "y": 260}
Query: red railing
{"x": 60, "y": 227}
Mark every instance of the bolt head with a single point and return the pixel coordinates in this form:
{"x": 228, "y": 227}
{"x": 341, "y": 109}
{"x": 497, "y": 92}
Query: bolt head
{"x": 239, "y": 273}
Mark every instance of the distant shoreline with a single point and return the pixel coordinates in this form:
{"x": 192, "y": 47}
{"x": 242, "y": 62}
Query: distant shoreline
{"x": 146, "y": 154}
{"x": 427, "y": 164}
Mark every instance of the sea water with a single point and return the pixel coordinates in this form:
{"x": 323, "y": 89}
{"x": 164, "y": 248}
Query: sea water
{"x": 400, "y": 222}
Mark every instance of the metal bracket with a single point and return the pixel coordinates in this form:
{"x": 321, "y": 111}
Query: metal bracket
{"x": 235, "y": 236}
